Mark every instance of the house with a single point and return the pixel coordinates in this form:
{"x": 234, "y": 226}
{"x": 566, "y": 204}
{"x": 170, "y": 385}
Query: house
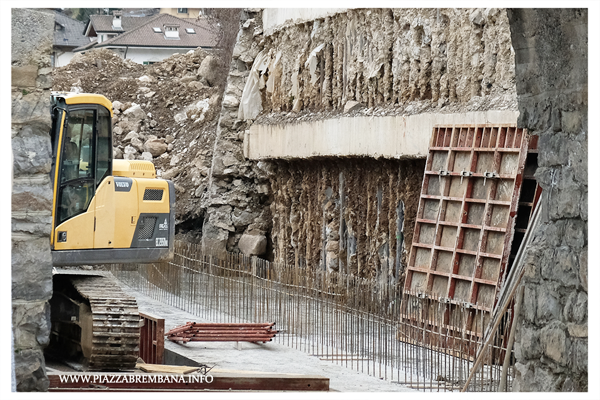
{"x": 67, "y": 36}
{"x": 183, "y": 12}
{"x": 147, "y": 40}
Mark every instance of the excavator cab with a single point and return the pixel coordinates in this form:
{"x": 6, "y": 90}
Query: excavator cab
{"x": 104, "y": 210}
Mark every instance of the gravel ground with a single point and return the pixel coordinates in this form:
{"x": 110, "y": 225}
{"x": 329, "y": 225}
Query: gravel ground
{"x": 262, "y": 358}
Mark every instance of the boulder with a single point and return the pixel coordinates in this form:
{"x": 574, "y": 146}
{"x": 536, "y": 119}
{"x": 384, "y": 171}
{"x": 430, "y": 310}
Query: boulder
{"x": 117, "y": 105}
{"x": 156, "y": 147}
{"x": 135, "y": 112}
{"x": 146, "y": 156}
{"x": 137, "y": 144}
{"x": 117, "y": 153}
{"x": 130, "y": 136}
{"x": 353, "y": 106}
{"x": 252, "y": 244}
{"x": 209, "y": 70}
{"x": 130, "y": 153}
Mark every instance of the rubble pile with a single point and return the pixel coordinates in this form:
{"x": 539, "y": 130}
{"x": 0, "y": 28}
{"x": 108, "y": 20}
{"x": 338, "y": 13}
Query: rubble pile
{"x": 165, "y": 112}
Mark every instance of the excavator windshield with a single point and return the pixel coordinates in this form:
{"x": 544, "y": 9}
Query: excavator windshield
{"x": 86, "y": 159}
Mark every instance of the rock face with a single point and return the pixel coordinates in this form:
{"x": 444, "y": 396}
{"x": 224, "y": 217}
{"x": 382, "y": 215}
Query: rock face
{"x": 551, "y": 344}
{"x": 360, "y": 62}
{"x": 353, "y": 216}
{"x": 234, "y": 207}
{"x": 31, "y": 261}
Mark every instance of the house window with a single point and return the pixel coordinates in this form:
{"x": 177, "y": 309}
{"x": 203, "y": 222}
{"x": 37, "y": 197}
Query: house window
{"x": 182, "y": 11}
{"x": 171, "y": 31}
{"x": 190, "y": 30}
{"x": 148, "y": 62}
{"x": 157, "y": 30}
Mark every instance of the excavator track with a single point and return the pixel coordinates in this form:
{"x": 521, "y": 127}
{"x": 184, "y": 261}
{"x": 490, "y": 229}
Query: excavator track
{"x": 109, "y": 321}
{"x": 116, "y": 328}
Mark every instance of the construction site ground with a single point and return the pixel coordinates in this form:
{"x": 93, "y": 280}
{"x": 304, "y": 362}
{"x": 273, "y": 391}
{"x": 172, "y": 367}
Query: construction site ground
{"x": 261, "y": 358}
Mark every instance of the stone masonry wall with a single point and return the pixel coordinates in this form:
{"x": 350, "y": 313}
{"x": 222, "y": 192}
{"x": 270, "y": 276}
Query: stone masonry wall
{"x": 371, "y": 62}
{"x": 32, "y": 33}
{"x": 551, "y": 345}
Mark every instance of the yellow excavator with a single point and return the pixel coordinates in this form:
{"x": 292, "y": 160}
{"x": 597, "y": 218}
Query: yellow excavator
{"x": 104, "y": 211}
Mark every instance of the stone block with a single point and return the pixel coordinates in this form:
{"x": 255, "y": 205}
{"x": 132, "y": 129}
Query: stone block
{"x": 33, "y": 110}
{"x": 30, "y": 371}
{"x": 209, "y": 70}
{"x": 572, "y": 121}
{"x": 543, "y": 380}
{"x": 548, "y": 305}
{"x": 564, "y": 203}
{"x": 578, "y": 331}
{"x": 242, "y": 217}
{"x": 583, "y": 269}
{"x": 575, "y": 234}
{"x": 555, "y": 149}
{"x": 24, "y": 76}
{"x": 578, "y": 157}
{"x": 562, "y": 268}
{"x": 32, "y": 150}
{"x": 530, "y": 342}
{"x": 32, "y": 223}
{"x": 156, "y": 147}
{"x": 353, "y": 106}
{"x": 252, "y": 245}
{"x": 32, "y": 193}
{"x": 135, "y": 112}
{"x": 584, "y": 205}
{"x": 555, "y": 343}
{"x": 31, "y": 269}
{"x": 31, "y": 324}
{"x": 579, "y": 356}
{"x": 214, "y": 239}
{"x": 529, "y": 308}
{"x": 44, "y": 81}
{"x": 221, "y": 217}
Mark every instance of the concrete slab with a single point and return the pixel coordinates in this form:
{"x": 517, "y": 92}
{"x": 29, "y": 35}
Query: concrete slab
{"x": 261, "y": 358}
{"x": 387, "y": 136}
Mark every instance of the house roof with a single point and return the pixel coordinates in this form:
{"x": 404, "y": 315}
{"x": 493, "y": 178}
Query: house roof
{"x": 144, "y": 35}
{"x": 69, "y": 31}
{"x": 104, "y": 23}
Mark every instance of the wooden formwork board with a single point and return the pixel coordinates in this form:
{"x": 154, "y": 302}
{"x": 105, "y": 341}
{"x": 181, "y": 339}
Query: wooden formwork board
{"x": 465, "y": 220}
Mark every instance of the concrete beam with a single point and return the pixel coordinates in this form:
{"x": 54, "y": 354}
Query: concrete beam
{"x": 387, "y": 137}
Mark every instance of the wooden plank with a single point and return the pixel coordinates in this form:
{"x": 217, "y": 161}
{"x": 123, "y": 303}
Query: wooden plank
{"x": 221, "y": 381}
{"x": 172, "y": 369}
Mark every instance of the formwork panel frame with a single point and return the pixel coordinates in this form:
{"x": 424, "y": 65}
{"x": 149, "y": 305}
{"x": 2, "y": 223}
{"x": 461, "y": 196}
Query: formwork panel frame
{"x": 466, "y": 216}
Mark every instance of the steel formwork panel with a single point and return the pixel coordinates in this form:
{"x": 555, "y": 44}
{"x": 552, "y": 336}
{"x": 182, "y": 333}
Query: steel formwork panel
{"x": 465, "y": 220}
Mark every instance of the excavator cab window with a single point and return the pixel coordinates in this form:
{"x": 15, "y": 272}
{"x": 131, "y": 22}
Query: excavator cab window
{"x": 86, "y": 159}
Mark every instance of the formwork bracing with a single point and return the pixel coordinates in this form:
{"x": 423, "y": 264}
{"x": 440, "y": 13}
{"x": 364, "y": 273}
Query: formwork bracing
{"x": 356, "y": 322}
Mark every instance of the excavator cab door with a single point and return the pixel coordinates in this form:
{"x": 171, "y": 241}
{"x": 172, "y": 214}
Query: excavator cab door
{"x": 83, "y": 148}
